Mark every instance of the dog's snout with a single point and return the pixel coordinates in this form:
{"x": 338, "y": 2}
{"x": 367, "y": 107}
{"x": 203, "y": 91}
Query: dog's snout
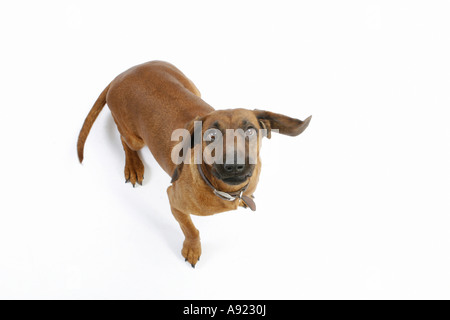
{"x": 234, "y": 168}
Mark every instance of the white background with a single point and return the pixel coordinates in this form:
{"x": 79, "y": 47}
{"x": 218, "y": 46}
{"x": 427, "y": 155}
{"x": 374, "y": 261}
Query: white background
{"x": 356, "y": 207}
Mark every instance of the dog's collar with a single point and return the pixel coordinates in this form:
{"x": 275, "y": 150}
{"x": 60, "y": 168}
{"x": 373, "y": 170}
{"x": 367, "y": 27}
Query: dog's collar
{"x": 229, "y": 196}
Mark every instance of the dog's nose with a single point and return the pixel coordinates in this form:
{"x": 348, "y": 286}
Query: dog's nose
{"x": 230, "y": 168}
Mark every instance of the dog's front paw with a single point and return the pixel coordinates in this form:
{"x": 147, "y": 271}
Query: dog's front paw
{"x": 192, "y": 249}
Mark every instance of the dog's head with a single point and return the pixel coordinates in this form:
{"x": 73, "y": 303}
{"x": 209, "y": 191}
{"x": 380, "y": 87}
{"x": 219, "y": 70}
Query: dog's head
{"x": 227, "y": 142}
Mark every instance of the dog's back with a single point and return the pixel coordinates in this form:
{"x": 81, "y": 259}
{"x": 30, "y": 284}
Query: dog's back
{"x": 148, "y": 102}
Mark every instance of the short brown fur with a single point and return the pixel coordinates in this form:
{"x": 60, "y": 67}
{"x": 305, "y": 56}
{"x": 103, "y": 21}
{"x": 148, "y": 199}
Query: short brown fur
{"x": 148, "y": 102}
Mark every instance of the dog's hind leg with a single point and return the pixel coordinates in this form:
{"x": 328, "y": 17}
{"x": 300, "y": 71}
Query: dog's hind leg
{"x": 134, "y": 168}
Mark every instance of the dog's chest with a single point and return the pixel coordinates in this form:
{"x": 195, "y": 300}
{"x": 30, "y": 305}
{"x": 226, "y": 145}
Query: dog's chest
{"x": 207, "y": 203}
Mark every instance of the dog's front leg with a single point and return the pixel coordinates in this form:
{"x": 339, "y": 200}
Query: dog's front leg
{"x": 192, "y": 248}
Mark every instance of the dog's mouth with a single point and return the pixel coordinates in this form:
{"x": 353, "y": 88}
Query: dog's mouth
{"x": 235, "y": 180}
{"x": 232, "y": 180}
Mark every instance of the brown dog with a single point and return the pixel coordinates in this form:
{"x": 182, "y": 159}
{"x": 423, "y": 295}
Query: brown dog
{"x": 148, "y": 102}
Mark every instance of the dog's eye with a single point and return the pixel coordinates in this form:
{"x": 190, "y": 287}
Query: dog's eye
{"x": 250, "y": 132}
{"x": 211, "y": 135}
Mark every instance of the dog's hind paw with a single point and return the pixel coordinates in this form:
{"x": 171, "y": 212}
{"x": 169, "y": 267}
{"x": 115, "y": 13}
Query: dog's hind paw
{"x": 134, "y": 171}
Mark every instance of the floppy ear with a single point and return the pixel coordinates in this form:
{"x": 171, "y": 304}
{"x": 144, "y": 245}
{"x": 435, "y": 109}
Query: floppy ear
{"x": 188, "y": 144}
{"x": 284, "y": 124}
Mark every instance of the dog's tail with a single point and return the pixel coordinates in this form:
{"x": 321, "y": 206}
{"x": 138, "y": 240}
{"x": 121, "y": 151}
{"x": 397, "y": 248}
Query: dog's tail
{"x": 91, "y": 117}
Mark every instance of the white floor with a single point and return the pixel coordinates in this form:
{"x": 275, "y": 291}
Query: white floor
{"x": 356, "y": 207}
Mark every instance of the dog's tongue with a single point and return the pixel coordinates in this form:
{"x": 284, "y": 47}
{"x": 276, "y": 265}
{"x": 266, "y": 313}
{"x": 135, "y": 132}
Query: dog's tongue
{"x": 249, "y": 202}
